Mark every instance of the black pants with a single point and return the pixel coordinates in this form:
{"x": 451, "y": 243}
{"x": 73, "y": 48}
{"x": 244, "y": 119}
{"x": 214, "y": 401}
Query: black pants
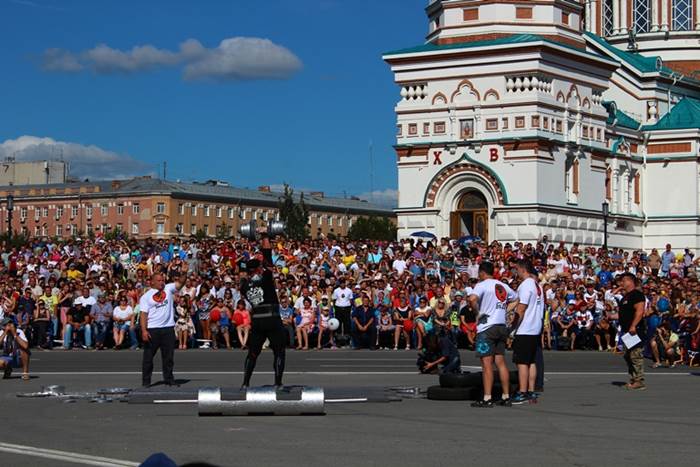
{"x": 539, "y": 362}
{"x": 41, "y": 333}
{"x": 342, "y": 313}
{"x": 263, "y": 329}
{"x": 367, "y": 339}
{"x": 162, "y": 339}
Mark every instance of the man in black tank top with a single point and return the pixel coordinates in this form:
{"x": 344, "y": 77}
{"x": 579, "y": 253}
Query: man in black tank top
{"x": 259, "y": 289}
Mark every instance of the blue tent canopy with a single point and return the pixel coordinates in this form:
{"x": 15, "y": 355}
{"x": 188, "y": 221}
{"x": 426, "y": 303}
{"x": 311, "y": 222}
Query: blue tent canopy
{"x": 423, "y": 234}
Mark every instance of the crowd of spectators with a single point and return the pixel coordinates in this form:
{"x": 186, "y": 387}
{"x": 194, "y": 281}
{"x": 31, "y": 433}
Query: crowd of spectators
{"x": 390, "y": 295}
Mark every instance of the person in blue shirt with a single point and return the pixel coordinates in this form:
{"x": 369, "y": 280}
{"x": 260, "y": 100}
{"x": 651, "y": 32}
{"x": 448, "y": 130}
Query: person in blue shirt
{"x": 287, "y": 315}
{"x": 364, "y": 325}
{"x": 667, "y": 259}
{"x": 604, "y": 276}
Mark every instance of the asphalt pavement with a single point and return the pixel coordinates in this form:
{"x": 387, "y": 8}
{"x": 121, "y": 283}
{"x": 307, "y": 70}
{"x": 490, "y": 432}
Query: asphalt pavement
{"x": 583, "y": 417}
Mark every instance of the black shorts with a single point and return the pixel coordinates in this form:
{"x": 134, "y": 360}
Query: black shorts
{"x": 525, "y": 349}
{"x": 492, "y": 341}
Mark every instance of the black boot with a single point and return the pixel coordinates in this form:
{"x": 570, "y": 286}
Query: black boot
{"x": 248, "y": 369}
{"x": 280, "y": 358}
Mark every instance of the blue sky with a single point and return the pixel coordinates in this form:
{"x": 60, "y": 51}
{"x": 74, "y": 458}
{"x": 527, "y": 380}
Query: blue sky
{"x": 297, "y": 100}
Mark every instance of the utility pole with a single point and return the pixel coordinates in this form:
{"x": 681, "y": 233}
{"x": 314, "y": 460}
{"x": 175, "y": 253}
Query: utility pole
{"x": 371, "y": 172}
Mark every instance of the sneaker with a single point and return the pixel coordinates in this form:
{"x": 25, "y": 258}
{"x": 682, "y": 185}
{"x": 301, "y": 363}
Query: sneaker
{"x": 504, "y": 403}
{"x": 532, "y": 397}
{"x": 635, "y": 387}
{"x": 519, "y": 398}
{"x": 7, "y": 372}
{"x": 482, "y": 404}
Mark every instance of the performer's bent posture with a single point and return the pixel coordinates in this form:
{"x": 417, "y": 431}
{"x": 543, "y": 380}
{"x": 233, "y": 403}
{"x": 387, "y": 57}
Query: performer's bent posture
{"x": 259, "y": 289}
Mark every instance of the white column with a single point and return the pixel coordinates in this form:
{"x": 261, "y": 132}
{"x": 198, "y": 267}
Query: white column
{"x": 616, "y": 17}
{"x": 696, "y": 12}
{"x": 594, "y": 19}
{"x": 589, "y": 16}
{"x": 623, "y": 16}
{"x": 654, "y": 15}
{"x": 664, "y": 15}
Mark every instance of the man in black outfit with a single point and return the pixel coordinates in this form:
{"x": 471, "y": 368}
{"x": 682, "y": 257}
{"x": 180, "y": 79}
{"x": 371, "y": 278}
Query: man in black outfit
{"x": 632, "y": 321}
{"x": 259, "y": 289}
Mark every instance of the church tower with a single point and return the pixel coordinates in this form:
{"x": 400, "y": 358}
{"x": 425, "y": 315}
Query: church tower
{"x": 515, "y": 121}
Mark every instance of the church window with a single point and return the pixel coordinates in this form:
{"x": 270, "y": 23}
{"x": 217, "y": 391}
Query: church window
{"x": 608, "y": 20}
{"x": 492, "y": 124}
{"x": 519, "y": 122}
{"x": 682, "y": 15}
{"x": 642, "y": 15}
{"x": 439, "y": 127}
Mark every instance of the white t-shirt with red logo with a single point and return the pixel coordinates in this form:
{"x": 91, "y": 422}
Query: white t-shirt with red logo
{"x": 530, "y": 294}
{"x": 493, "y": 298}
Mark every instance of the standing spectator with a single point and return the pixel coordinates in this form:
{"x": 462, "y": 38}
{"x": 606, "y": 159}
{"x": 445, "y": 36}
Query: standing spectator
{"x": 41, "y": 323}
{"x": 25, "y": 312}
{"x": 654, "y": 262}
{"x": 101, "y": 314}
{"x": 667, "y": 259}
{"x": 342, "y": 301}
{"x": 184, "y": 327}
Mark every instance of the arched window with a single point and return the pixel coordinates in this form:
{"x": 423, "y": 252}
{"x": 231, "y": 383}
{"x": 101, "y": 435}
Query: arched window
{"x": 608, "y": 21}
{"x": 642, "y": 15}
{"x": 608, "y": 184}
{"x": 682, "y": 15}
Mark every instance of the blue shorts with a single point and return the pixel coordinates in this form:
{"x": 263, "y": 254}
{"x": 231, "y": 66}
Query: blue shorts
{"x": 123, "y": 326}
{"x": 13, "y": 360}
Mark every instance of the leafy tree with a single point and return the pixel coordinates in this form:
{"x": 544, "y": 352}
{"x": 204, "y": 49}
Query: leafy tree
{"x": 294, "y": 214}
{"x": 222, "y": 232}
{"x": 372, "y": 228}
{"x": 116, "y": 234}
{"x": 18, "y": 240}
{"x": 200, "y": 234}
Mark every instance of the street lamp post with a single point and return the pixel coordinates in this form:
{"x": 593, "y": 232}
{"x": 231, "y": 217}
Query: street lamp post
{"x": 606, "y": 212}
{"x": 10, "y": 207}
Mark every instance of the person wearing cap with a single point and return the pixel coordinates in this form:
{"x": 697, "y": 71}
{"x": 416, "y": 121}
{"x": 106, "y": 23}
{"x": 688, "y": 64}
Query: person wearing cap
{"x": 14, "y": 349}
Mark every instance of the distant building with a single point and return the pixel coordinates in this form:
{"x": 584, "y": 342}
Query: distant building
{"x": 145, "y": 207}
{"x": 32, "y": 172}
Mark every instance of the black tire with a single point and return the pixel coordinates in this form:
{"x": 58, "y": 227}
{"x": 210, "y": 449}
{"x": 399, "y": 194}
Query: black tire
{"x": 466, "y": 380}
{"x": 460, "y": 380}
{"x": 437, "y": 393}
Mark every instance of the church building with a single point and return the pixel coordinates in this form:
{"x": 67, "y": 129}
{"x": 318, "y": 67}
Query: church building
{"x": 523, "y": 118}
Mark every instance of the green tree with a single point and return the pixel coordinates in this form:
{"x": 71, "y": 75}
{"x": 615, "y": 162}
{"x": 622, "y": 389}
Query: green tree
{"x": 222, "y": 232}
{"x": 372, "y": 228}
{"x": 294, "y": 214}
{"x": 18, "y": 240}
{"x": 200, "y": 234}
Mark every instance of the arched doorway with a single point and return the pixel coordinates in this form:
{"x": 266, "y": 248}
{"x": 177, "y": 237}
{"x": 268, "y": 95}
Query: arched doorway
{"x": 471, "y": 216}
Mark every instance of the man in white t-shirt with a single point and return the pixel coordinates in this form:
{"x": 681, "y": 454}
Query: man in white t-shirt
{"x": 399, "y": 265}
{"x": 342, "y": 306}
{"x": 491, "y": 297}
{"x": 528, "y": 324}
{"x": 158, "y": 327}
{"x": 14, "y": 349}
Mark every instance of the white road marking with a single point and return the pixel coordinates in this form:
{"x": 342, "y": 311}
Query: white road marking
{"x": 64, "y": 456}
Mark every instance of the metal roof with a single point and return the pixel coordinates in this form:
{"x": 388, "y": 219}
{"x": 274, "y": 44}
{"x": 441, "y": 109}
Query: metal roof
{"x": 230, "y": 194}
{"x": 683, "y": 116}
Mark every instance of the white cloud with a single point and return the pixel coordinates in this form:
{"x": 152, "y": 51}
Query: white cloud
{"x": 234, "y": 59}
{"x": 388, "y": 197}
{"x": 90, "y": 162}
{"x": 60, "y": 60}
{"x": 243, "y": 58}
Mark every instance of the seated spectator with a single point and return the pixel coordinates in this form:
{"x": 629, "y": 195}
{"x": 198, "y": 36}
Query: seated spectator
{"x": 287, "y": 315}
{"x": 324, "y": 315}
{"x": 665, "y": 346}
{"x": 386, "y": 328}
{"x": 402, "y": 314}
{"x": 305, "y": 325}
{"x": 365, "y": 328}
{"x": 423, "y": 316}
{"x": 78, "y": 322}
{"x": 583, "y": 330}
{"x": 243, "y": 322}
{"x": 566, "y": 320}
{"x": 14, "y": 348}
{"x": 101, "y": 315}
{"x": 124, "y": 322}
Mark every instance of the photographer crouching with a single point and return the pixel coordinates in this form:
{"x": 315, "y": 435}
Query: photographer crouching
{"x": 15, "y": 349}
